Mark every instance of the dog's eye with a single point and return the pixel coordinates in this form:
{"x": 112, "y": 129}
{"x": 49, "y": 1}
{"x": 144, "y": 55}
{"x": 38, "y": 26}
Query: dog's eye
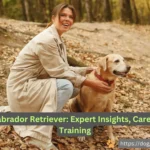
{"x": 117, "y": 61}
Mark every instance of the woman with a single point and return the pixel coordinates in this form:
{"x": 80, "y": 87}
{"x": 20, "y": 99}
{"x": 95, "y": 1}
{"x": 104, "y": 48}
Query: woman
{"x": 41, "y": 80}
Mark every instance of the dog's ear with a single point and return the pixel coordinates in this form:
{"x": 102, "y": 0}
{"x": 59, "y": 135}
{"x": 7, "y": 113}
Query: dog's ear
{"x": 103, "y": 63}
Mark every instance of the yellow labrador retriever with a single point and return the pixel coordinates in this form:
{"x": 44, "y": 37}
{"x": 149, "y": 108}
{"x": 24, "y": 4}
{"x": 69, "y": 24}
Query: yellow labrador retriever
{"x": 110, "y": 67}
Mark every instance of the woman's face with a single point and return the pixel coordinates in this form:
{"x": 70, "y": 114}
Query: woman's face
{"x": 63, "y": 22}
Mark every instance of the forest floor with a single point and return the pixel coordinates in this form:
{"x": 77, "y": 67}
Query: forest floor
{"x": 86, "y": 42}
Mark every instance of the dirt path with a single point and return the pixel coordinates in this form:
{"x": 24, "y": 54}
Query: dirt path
{"x": 87, "y": 42}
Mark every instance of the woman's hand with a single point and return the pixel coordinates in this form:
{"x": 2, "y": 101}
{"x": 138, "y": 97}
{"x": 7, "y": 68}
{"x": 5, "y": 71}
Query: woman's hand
{"x": 99, "y": 86}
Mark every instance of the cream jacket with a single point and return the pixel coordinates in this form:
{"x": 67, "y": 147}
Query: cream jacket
{"x": 31, "y": 85}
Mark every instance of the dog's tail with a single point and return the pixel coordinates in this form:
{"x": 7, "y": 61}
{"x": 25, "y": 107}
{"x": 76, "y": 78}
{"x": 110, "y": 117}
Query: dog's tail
{"x": 73, "y": 105}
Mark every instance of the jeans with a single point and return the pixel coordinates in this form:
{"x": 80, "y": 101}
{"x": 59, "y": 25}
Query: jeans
{"x": 65, "y": 91}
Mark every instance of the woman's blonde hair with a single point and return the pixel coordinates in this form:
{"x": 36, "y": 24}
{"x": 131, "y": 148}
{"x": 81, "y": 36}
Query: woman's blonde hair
{"x": 56, "y": 11}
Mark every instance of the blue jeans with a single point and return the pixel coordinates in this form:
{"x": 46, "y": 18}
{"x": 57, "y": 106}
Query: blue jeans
{"x": 65, "y": 91}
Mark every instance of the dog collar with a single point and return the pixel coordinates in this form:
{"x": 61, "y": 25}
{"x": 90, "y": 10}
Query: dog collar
{"x": 100, "y": 78}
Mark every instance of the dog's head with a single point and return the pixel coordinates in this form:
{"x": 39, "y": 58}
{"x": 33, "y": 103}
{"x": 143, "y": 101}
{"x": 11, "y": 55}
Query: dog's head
{"x": 114, "y": 64}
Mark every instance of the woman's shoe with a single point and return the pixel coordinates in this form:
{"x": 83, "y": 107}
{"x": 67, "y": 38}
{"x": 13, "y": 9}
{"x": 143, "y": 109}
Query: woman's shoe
{"x": 5, "y": 109}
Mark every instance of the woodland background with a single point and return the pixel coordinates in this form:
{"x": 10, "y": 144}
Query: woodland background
{"x": 128, "y": 11}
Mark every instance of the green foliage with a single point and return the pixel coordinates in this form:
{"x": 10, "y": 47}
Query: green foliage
{"x": 12, "y": 9}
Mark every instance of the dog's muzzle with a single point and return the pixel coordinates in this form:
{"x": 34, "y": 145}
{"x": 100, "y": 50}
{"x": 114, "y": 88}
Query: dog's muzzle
{"x": 123, "y": 74}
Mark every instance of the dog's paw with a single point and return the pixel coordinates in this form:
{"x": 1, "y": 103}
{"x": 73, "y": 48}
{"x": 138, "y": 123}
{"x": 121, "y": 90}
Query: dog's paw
{"x": 81, "y": 138}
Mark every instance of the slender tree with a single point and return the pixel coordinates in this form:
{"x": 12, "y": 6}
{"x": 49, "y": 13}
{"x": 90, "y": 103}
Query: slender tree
{"x": 23, "y": 10}
{"x": 136, "y": 16}
{"x": 51, "y": 4}
{"x": 88, "y": 7}
{"x": 126, "y": 11}
{"x": 107, "y": 11}
{"x": 26, "y": 6}
{"x": 38, "y": 15}
{"x": 43, "y": 11}
{"x": 32, "y": 10}
{"x": 78, "y": 6}
{"x": 148, "y": 5}
{"x": 97, "y": 10}
{"x": 27, "y": 10}
{"x": 1, "y": 8}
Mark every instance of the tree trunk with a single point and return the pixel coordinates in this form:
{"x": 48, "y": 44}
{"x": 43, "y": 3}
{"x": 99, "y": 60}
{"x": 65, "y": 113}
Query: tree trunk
{"x": 97, "y": 10}
{"x": 43, "y": 11}
{"x": 26, "y": 4}
{"x": 126, "y": 12}
{"x": 1, "y": 8}
{"x": 51, "y": 4}
{"x": 23, "y": 10}
{"x": 148, "y": 6}
{"x": 78, "y": 6}
{"x": 28, "y": 10}
{"x": 32, "y": 10}
{"x": 38, "y": 15}
{"x": 88, "y": 7}
{"x": 107, "y": 11}
{"x": 135, "y": 12}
